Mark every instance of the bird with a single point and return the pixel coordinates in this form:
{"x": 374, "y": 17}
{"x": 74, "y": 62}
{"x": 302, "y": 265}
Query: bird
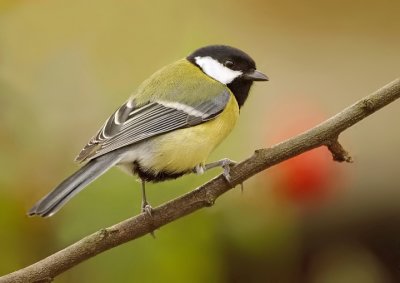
{"x": 169, "y": 126}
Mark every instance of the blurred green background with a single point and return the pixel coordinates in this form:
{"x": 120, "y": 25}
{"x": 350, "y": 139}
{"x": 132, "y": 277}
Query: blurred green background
{"x": 66, "y": 65}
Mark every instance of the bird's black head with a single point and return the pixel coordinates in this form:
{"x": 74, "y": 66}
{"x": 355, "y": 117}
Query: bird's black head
{"x": 229, "y": 66}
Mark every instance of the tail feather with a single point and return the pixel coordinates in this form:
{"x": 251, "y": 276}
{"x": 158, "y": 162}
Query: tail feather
{"x": 53, "y": 201}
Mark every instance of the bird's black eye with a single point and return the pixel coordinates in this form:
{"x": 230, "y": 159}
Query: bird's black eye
{"x": 228, "y": 63}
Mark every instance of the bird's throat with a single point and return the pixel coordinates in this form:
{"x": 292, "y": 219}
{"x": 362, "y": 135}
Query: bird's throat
{"x": 240, "y": 90}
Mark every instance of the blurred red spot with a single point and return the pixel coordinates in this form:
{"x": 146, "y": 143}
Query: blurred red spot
{"x": 309, "y": 179}
{"x": 306, "y": 178}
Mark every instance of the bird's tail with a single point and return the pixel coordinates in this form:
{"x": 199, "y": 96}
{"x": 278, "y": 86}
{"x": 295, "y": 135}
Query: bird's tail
{"x": 53, "y": 201}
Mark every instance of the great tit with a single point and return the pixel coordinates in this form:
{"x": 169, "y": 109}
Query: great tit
{"x": 169, "y": 126}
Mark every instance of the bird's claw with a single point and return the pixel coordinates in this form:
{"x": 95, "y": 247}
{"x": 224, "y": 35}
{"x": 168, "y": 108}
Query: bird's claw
{"x": 226, "y": 164}
{"x": 147, "y": 209}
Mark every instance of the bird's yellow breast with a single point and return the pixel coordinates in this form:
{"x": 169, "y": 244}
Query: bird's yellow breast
{"x": 182, "y": 150}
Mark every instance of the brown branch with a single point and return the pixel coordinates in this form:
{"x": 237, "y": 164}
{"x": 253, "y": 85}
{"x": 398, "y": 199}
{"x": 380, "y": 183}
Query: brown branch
{"x": 324, "y": 134}
{"x": 338, "y": 152}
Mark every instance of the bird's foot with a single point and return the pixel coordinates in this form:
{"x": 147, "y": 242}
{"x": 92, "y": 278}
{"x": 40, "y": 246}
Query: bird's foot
{"x": 227, "y": 164}
{"x": 146, "y": 207}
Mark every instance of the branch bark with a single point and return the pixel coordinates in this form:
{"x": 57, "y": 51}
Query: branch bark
{"x": 324, "y": 134}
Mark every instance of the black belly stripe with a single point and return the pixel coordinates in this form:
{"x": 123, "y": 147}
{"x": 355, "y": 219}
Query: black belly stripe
{"x": 150, "y": 175}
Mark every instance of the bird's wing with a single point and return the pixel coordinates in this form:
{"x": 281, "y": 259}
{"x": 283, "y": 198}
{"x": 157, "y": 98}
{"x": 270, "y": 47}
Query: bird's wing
{"x": 131, "y": 123}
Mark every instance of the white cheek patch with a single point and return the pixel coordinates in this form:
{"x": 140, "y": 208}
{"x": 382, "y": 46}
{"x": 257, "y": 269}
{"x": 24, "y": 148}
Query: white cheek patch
{"x": 216, "y": 70}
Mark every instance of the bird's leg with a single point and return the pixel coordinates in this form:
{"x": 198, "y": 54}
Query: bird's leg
{"x": 145, "y": 205}
{"x": 199, "y": 169}
{"x": 225, "y": 163}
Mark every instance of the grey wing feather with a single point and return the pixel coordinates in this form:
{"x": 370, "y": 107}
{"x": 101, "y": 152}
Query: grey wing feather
{"x": 131, "y": 124}
{"x": 110, "y": 127}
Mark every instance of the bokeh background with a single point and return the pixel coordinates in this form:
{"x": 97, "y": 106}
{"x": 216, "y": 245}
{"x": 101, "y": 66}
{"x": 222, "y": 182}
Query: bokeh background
{"x": 66, "y": 65}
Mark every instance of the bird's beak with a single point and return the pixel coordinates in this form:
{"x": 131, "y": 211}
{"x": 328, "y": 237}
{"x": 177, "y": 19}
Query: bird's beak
{"x": 255, "y": 76}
